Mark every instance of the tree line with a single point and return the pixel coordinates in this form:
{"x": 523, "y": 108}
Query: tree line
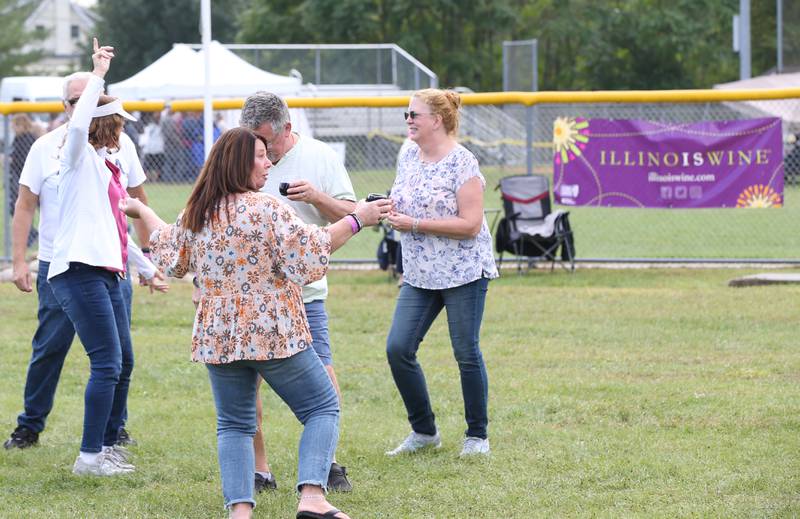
{"x": 582, "y": 44}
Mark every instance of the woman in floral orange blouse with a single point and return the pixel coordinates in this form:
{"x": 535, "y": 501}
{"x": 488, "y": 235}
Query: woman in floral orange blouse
{"x": 252, "y": 255}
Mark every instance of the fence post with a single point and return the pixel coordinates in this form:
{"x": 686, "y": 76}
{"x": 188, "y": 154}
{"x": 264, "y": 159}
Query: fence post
{"x": 394, "y": 68}
{"x": 535, "y": 64}
{"x": 529, "y": 139}
{"x": 379, "y": 62}
{"x": 7, "y": 189}
{"x": 318, "y": 67}
{"x": 506, "y": 86}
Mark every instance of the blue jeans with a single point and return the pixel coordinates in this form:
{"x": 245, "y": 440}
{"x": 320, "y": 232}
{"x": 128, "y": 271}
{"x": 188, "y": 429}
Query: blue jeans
{"x": 50, "y": 345}
{"x": 302, "y": 382}
{"x": 92, "y": 299}
{"x": 318, "y": 324}
{"x": 416, "y": 310}
{"x": 127, "y": 295}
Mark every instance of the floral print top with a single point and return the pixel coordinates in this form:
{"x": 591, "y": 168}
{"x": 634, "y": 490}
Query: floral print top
{"x": 251, "y": 267}
{"x": 427, "y": 190}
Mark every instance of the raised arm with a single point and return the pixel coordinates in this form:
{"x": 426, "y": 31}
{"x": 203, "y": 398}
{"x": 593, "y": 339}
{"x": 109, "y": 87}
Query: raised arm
{"x": 78, "y": 134}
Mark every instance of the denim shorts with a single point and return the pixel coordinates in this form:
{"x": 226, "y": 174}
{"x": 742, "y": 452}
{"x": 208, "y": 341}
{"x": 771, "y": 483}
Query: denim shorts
{"x": 318, "y": 323}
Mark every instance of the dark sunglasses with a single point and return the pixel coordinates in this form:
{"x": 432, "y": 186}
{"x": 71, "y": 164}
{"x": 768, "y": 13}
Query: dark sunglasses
{"x": 73, "y": 101}
{"x": 413, "y": 115}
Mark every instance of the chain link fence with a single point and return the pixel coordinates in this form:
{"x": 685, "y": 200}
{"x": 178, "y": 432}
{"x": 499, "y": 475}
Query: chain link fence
{"x": 508, "y": 139}
{"x": 336, "y": 66}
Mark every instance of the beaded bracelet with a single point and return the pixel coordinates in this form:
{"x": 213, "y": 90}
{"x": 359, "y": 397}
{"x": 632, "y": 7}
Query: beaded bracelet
{"x": 415, "y": 225}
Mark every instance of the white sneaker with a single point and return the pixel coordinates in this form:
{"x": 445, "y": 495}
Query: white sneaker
{"x": 415, "y": 442}
{"x": 474, "y": 445}
{"x": 104, "y": 466}
{"x": 119, "y": 456}
{"x": 122, "y": 452}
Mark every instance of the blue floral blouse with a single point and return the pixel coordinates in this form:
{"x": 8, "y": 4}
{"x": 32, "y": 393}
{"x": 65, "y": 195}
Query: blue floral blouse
{"x": 428, "y": 191}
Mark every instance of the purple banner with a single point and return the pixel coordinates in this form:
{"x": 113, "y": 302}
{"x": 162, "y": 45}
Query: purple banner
{"x": 620, "y": 163}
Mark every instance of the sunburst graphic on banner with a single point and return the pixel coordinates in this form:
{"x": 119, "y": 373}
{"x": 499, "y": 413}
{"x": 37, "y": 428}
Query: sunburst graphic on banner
{"x": 759, "y": 195}
{"x": 570, "y": 136}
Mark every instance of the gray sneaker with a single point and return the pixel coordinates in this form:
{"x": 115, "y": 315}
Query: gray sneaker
{"x": 104, "y": 466}
{"x": 474, "y": 445}
{"x": 120, "y": 456}
{"x": 415, "y": 442}
{"x": 122, "y": 453}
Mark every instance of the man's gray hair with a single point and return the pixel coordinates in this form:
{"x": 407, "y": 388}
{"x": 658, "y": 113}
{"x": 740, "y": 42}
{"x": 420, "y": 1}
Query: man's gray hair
{"x": 73, "y": 77}
{"x": 264, "y": 107}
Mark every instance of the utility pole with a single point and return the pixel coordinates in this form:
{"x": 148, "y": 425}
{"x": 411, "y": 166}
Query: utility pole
{"x": 779, "y": 34}
{"x": 744, "y": 39}
{"x": 208, "y": 114}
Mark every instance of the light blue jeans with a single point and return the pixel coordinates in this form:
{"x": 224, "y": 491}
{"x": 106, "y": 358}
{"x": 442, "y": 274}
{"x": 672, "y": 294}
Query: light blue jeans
{"x": 318, "y": 324}
{"x": 303, "y": 383}
{"x": 414, "y": 314}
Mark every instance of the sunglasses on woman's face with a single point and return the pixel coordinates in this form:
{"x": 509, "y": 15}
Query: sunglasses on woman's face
{"x": 413, "y": 115}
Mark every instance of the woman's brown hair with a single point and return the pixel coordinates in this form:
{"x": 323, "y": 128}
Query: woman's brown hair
{"x": 226, "y": 171}
{"x": 105, "y": 131}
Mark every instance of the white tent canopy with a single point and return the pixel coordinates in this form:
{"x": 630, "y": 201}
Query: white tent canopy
{"x": 787, "y": 109}
{"x": 178, "y": 74}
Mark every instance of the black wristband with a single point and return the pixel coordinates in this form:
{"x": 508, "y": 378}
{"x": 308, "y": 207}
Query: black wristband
{"x": 146, "y": 250}
{"x": 195, "y": 282}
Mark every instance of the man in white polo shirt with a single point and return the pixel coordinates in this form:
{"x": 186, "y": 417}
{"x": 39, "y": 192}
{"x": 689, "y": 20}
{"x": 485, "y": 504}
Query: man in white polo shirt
{"x": 320, "y": 192}
{"x": 54, "y": 334}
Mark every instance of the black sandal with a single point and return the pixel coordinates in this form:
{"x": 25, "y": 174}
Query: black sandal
{"x": 308, "y": 514}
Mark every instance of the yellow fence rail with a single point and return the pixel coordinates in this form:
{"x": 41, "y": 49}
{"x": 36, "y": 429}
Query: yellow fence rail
{"x": 487, "y": 98}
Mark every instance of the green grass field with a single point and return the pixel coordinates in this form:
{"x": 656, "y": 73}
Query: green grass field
{"x": 612, "y": 233}
{"x": 606, "y": 232}
{"x": 635, "y": 393}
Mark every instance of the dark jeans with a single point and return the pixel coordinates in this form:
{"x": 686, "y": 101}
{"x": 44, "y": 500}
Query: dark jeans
{"x": 92, "y": 299}
{"x": 50, "y": 346}
{"x": 416, "y": 310}
{"x": 51, "y": 342}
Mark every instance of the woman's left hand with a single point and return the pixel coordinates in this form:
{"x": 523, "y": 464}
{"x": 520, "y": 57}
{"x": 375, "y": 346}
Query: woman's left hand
{"x": 400, "y": 222}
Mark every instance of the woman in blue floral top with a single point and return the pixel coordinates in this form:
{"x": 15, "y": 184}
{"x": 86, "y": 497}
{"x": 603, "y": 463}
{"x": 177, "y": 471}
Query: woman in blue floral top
{"x": 252, "y": 255}
{"x": 447, "y": 263}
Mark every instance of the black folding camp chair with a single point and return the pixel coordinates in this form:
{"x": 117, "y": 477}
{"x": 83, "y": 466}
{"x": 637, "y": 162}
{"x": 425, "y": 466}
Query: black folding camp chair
{"x": 528, "y": 229}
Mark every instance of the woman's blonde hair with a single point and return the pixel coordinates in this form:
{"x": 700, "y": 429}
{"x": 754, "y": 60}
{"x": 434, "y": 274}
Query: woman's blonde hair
{"x": 105, "y": 131}
{"x": 445, "y": 103}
